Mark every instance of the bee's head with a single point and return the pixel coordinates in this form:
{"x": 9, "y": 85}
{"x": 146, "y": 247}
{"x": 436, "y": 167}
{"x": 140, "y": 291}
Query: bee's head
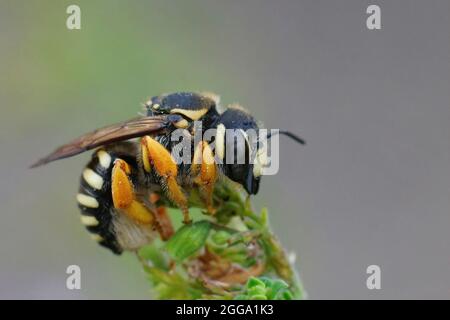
{"x": 240, "y": 140}
{"x": 191, "y": 106}
{"x": 246, "y": 163}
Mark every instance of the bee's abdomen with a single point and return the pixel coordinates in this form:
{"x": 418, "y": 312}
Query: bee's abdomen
{"x": 95, "y": 200}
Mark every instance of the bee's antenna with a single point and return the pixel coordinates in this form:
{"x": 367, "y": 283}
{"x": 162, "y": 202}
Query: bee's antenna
{"x": 289, "y": 134}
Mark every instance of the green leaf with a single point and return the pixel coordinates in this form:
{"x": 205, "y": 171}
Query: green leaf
{"x": 154, "y": 254}
{"x": 188, "y": 240}
{"x": 264, "y": 288}
{"x": 284, "y": 295}
{"x": 256, "y": 291}
{"x": 221, "y": 237}
{"x": 172, "y": 285}
{"x": 255, "y": 282}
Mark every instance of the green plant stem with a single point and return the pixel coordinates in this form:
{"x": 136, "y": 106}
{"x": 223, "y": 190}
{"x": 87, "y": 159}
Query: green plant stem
{"x": 211, "y": 258}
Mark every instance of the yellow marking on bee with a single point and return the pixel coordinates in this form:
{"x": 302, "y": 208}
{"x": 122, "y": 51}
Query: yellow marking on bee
{"x": 145, "y": 159}
{"x": 261, "y": 161}
{"x": 139, "y": 213}
{"x": 207, "y": 177}
{"x": 96, "y": 237}
{"x": 257, "y": 169}
{"x": 155, "y": 106}
{"x": 104, "y": 158}
{"x": 262, "y": 156}
{"x": 182, "y": 124}
{"x": 163, "y": 162}
{"x": 121, "y": 187}
{"x": 220, "y": 141}
{"x": 191, "y": 114}
{"x": 208, "y": 157}
{"x": 123, "y": 165}
{"x": 89, "y": 221}
{"x": 87, "y": 201}
{"x": 93, "y": 178}
{"x": 177, "y": 196}
{"x": 166, "y": 167}
{"x": 197, "y": 159}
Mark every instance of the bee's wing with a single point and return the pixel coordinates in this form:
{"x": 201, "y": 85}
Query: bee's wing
{"x": 117, "y": 132}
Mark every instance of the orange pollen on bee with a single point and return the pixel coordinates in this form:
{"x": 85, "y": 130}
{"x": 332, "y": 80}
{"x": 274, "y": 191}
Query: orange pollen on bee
{"x": 161, "y": 159}
{"x": 121, "y": 187}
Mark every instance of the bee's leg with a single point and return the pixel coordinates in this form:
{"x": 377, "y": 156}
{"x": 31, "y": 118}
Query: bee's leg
{"x": 204, "y": 166}
{"x": 109, "y": 226}
{"x": 163, "y": 222}
{"x": 123, "y": 194}
{"x": 155, "y": 156}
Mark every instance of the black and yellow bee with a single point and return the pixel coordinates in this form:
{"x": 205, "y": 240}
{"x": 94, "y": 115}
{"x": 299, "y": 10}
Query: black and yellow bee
{"x": 125, "y": 186}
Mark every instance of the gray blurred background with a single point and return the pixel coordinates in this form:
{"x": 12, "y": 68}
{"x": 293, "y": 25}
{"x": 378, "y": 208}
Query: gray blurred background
{"x": 371, "y": 187}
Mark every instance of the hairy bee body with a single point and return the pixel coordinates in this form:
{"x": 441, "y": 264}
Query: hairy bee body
{"x": 127, "y": 184}
{"x": 107, "y": 225}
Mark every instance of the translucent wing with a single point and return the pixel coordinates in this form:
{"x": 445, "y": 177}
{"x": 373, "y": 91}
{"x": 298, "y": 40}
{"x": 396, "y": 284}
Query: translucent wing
{"x": 117, "y": 132}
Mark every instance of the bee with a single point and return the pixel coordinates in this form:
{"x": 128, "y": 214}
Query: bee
{"x": 132, "y": 176}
